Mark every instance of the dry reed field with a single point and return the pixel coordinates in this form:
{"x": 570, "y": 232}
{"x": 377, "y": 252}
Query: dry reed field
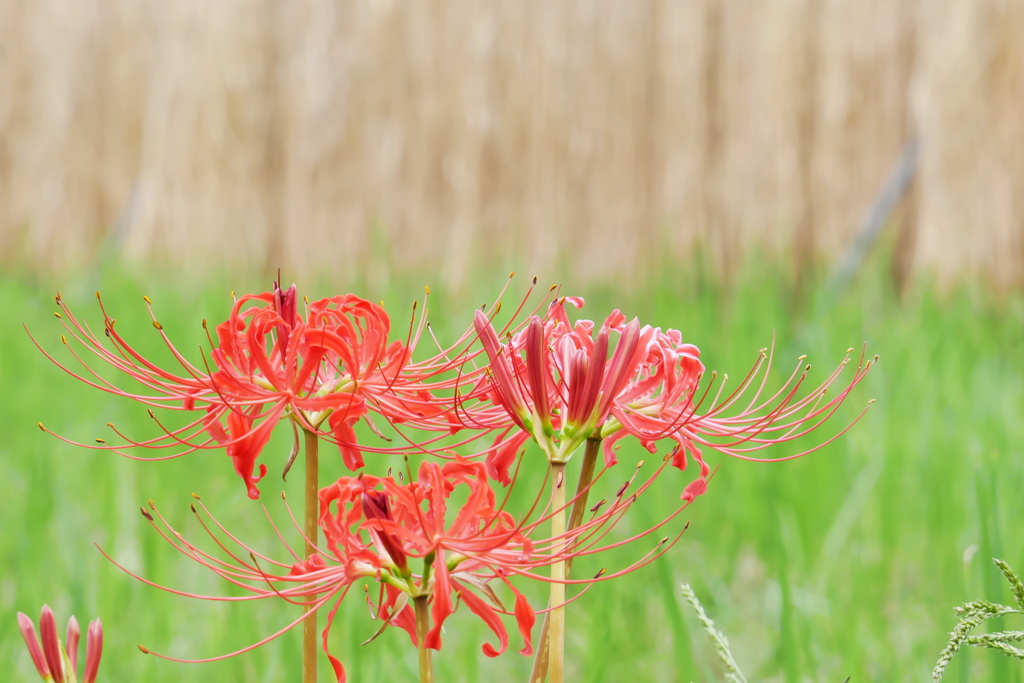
{"x": 591, "y": 136}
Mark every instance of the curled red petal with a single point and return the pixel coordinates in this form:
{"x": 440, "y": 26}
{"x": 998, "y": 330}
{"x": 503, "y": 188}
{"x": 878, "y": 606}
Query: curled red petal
{"x": 500, "y": 460}
{"x": 479, "y": 607}
{"x": 694, "y": 489}
{"x": 248, "y": 445}
{"x": 525, "y": 619}
{"x": 342, "y": 422}
{"x": 442, "y": 601}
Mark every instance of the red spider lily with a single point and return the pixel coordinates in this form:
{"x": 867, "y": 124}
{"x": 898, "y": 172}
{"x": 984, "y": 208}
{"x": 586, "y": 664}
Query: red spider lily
{"x": 52, "y": 661}
{"x": 272, "y": 363}
{"x": 557, "y": 385}
{"x": 324, "y": 371}
{"x": 371, "y": 534}
{"x": 379, "y": 529}
{"x": 579, "y": 397}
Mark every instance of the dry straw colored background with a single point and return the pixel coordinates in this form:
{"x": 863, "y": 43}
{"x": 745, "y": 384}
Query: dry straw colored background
{"x": 595, "y": 135}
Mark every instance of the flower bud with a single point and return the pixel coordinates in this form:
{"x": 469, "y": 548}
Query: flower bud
{"x": 375, "y": 507}
{"x": 28, "y": 631}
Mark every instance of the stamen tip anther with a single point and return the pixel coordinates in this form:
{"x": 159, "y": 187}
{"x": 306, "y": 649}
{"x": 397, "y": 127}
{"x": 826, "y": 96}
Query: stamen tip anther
{"x": 196, "y": 496}
{"x": 41, "y": 426}
{"x": 146, "y": 514}
{"x": 142, "y": 648}
{"x": 157, "y": 325}
{"x": 152, "y": 505}
{"x": 99, "y": 440}
{"x": 146, "y": 298}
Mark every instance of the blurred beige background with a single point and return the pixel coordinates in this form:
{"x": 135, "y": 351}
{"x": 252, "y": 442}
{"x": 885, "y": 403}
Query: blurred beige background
{"x": 601, "y": 137}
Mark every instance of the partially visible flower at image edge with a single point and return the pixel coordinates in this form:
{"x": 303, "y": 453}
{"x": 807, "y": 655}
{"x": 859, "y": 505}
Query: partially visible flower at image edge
{"x": 52, "y": 661}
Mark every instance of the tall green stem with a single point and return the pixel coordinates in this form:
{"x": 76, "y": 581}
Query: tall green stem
{"x": 540, "y": 662}
{"x": 422, "y": 625}
{"x": 311, "y": 528}
{"x": 556, "y": 636}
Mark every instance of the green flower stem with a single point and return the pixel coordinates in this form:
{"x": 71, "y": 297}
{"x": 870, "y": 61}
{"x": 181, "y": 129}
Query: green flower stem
{"x": 309, "y": 626}
{"x": 579, "y": 506}
{"x": 556, "y": 636}
{"x": 422, "y": 625}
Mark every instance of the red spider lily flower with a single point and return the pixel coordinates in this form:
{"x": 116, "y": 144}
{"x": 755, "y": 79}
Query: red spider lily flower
{"x": 556, "y": 381}
{"x": 268, "y": 363}
{"x": 373, "y": 528}
{"x": 557, "y": 385}
{"x": 324, "y": 371}
{"x": 458, "y": 557}
{"x": 405, "y": 538}
{"x": 52, "y": 661}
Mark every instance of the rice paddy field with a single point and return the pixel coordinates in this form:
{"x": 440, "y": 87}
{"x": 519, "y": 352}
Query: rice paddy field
{"x": 846, "y": 562}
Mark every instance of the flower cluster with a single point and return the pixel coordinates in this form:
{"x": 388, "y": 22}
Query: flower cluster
{"x": 565, "y": 385}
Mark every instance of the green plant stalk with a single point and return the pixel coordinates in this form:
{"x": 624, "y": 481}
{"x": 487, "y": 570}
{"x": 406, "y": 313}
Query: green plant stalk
{"x": 540, "y": 662}
{"x": 732, "y": 669}
{"x": 556, "y": 636}
{"x": 422, "y": 625}
{"x": 311, "y": 529}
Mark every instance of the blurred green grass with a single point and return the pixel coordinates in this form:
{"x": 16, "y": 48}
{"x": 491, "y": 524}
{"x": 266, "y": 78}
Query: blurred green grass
{"x": 845, "y": 562}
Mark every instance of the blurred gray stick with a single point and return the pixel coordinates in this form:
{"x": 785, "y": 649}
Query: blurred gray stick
{"x": 892, "y": 191}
